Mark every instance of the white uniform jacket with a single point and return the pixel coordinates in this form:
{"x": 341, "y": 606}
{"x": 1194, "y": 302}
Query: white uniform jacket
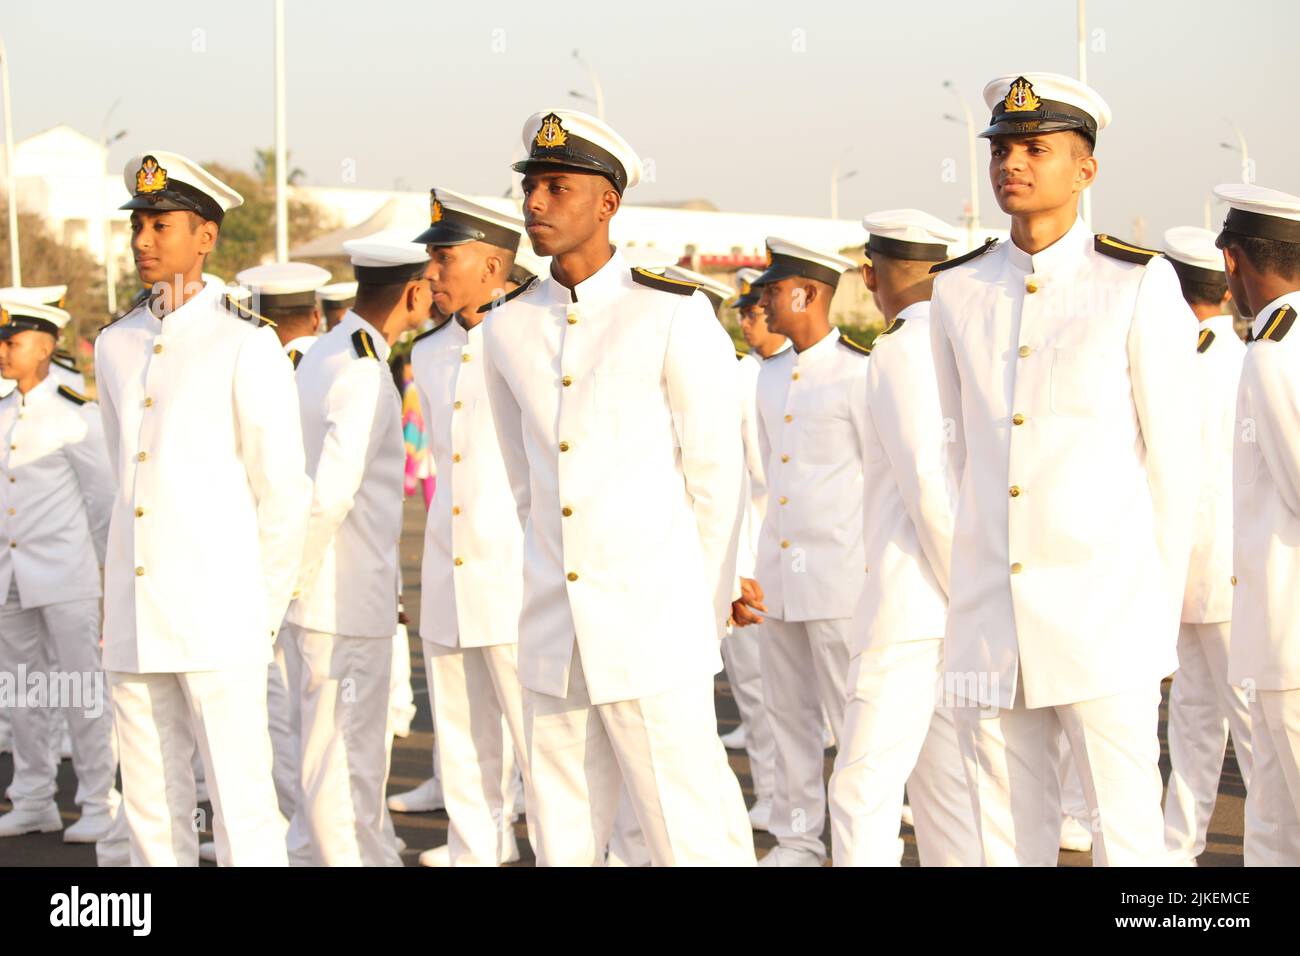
{"x": 472, "y": 578}
{"x": 352, "y": 433}
{"x": 812, "y": 407}
{"x": 206, "y": 537}
{"x": 910, "y": 492}
{"x": 1265, "y": 648}
{"x": 1067, "y": 378}
{"x": 617, "y": 414}
{"x": 1208, "y": 597}
{"x": 56, "y": 493}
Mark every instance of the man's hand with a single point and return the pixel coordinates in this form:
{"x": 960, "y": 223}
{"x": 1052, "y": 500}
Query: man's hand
{"x": 751, "y": 599}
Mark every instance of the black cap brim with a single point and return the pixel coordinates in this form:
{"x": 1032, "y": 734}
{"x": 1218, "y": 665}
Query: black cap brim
{"x": 1007, "y": 127}
{"x": 440, "y": 235}
{"x": 572, "y": 165}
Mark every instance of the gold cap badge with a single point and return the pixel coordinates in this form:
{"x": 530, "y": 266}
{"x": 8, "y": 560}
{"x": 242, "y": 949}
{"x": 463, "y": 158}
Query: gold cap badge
{"x": 151, "y": 178}
{"x": 551, "y": 135}
{"x": 4, "y": 317}
{"x": 744, "y": 288}
{"x": 767, "y": 256}
{"x": 1021, "y": 97}
{"x": 435, "y": 208}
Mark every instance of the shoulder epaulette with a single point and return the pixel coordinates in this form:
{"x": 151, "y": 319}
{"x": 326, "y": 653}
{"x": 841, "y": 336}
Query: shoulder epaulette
{"x": 141, "y": 297}
{"x": 72, "y": 395}
{"x": 740, "y": 355}
{"x": 64, "y": 360}
{"x": 245, "y": 313}
{"x": 662, "y": 283}
{"x": 1204, "y": 339}
{"x": 1278, "y": 325}
{"x": 893, "y": 326}
{"x": 989, "y": 243}
{"x": 363, "y": 344}
{"x": 428, "y": 332}
{"x": 295, "y": 357}
{"x": 853, "y": 346}
{"x": 1110, "y": 246}
{"x": 531, "y": 283}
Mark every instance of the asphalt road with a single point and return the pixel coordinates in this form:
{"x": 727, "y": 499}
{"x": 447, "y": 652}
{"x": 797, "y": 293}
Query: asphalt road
{"x": 412, "y": 763}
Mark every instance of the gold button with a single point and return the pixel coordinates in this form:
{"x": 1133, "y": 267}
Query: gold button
{"x": 139, "y": 572}
{"x": 564, "y": 446}
{"x": 142, "y": 456}
{"x": 139, "y": 512}
{"x": 464, "y": 357}
{"x": 296, "y": 593}
{"x": 785, "y": 457}
{"x": 1024, "y": 351}
{"x": 1234, "y": 580}
{"x": 157, "y": 348}
{"x": 148, "y": 402}
{"x": 571, "y": 576}
{"x": 458, "y": 562}
{"x": 795, "y": 377}
{"x": 567, "y": 512}
{"x": 566, "y": 381}
{"x": 455, "y": 510}
{"x": 572, "y": 320}
{"x": 13, "y": 544}
{"x": 785, "y": 544}
{"x": 789, "y": 418}
{"x": 12, "y": 447}
{"x": 784, "y": 500}
{"x": 456, "y": 404}
{"x": 1017, "y": 568}
{"x": 1031, "y": 287}
{"x": 12, "y": 512}
{"x": 1014, "y": 491}
{"x": 12, "y": 479}
{"x": 456, "y": 457}
{"x": 1017, "y": 419}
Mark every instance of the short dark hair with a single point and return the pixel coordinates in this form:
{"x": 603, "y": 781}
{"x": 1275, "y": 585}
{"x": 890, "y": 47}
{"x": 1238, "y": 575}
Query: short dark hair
{"x": 294, "y": 315}
{"x": 1082, "y": 145}
{"x": 1266, "y": 255}
{"x": 1198, "y": 288}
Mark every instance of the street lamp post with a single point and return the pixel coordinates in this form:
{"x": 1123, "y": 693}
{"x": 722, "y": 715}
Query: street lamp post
{"x": 110, "y": 270}
{"x": 15, "y": 259}
{"x": 973, "y": 220}
{"x": 281, "y": 148}
{"x": 1246, "y": 177}
{"x": 836, "y": 179}
{"x": 595, "y": 86}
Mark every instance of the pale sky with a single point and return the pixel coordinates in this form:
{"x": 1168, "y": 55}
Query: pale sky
{"x": 747, "y": 105}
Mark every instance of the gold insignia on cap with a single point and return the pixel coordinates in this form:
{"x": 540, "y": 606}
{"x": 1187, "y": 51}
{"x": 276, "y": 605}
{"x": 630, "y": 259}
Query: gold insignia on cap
{"x": 1021, "y": 97}
{"x": 551, "y": 135}
{"x": 744, "y": 288}
{"x": 4, "y": 317}
{"x": 435, "y": 208}
{"x": 151, "y": 177}
{"x": 767, "y": 257}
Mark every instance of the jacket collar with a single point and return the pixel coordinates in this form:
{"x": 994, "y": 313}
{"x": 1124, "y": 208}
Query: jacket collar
{"x": 823, "y": 347}
{"x": 198, "y": 306}
{"x": 40, "y": 394}
{"x": 1062, "y": 255}
{"x": 596, "y": 290}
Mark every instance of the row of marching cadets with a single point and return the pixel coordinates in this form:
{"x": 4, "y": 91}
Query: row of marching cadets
{"x": 972, "y": 553}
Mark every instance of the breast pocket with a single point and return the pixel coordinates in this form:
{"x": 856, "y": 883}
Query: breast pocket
{"x": 1088, "y": 382}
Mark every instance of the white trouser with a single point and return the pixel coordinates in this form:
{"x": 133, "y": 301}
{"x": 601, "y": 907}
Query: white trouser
{"x": 473, "y": 689}
{"x": 663, "y": 748}
{"x": 281, "y": 721}
{"x": 742, "y": 654}
{"x": 1275, "y": 785}
{"x": 158, "y": 718}
{"x": 1073, "y": 802}
{"x": 343, "y": 709}
{"x": 894, "y": 734}
{"x": 401, "y": 697}
{"x": 805, "y": 673}
{"x": 1202, "y": 709}
{"x": 1012, "y": 763}
{"x": 61, "y": 643}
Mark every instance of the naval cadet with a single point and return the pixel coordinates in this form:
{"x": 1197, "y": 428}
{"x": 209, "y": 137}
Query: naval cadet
{"x": 206, "y": 539}
{"x": 611, "y": 385}
{"x": 1260, "y": 240}
{"x": 1066, "y": 368}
